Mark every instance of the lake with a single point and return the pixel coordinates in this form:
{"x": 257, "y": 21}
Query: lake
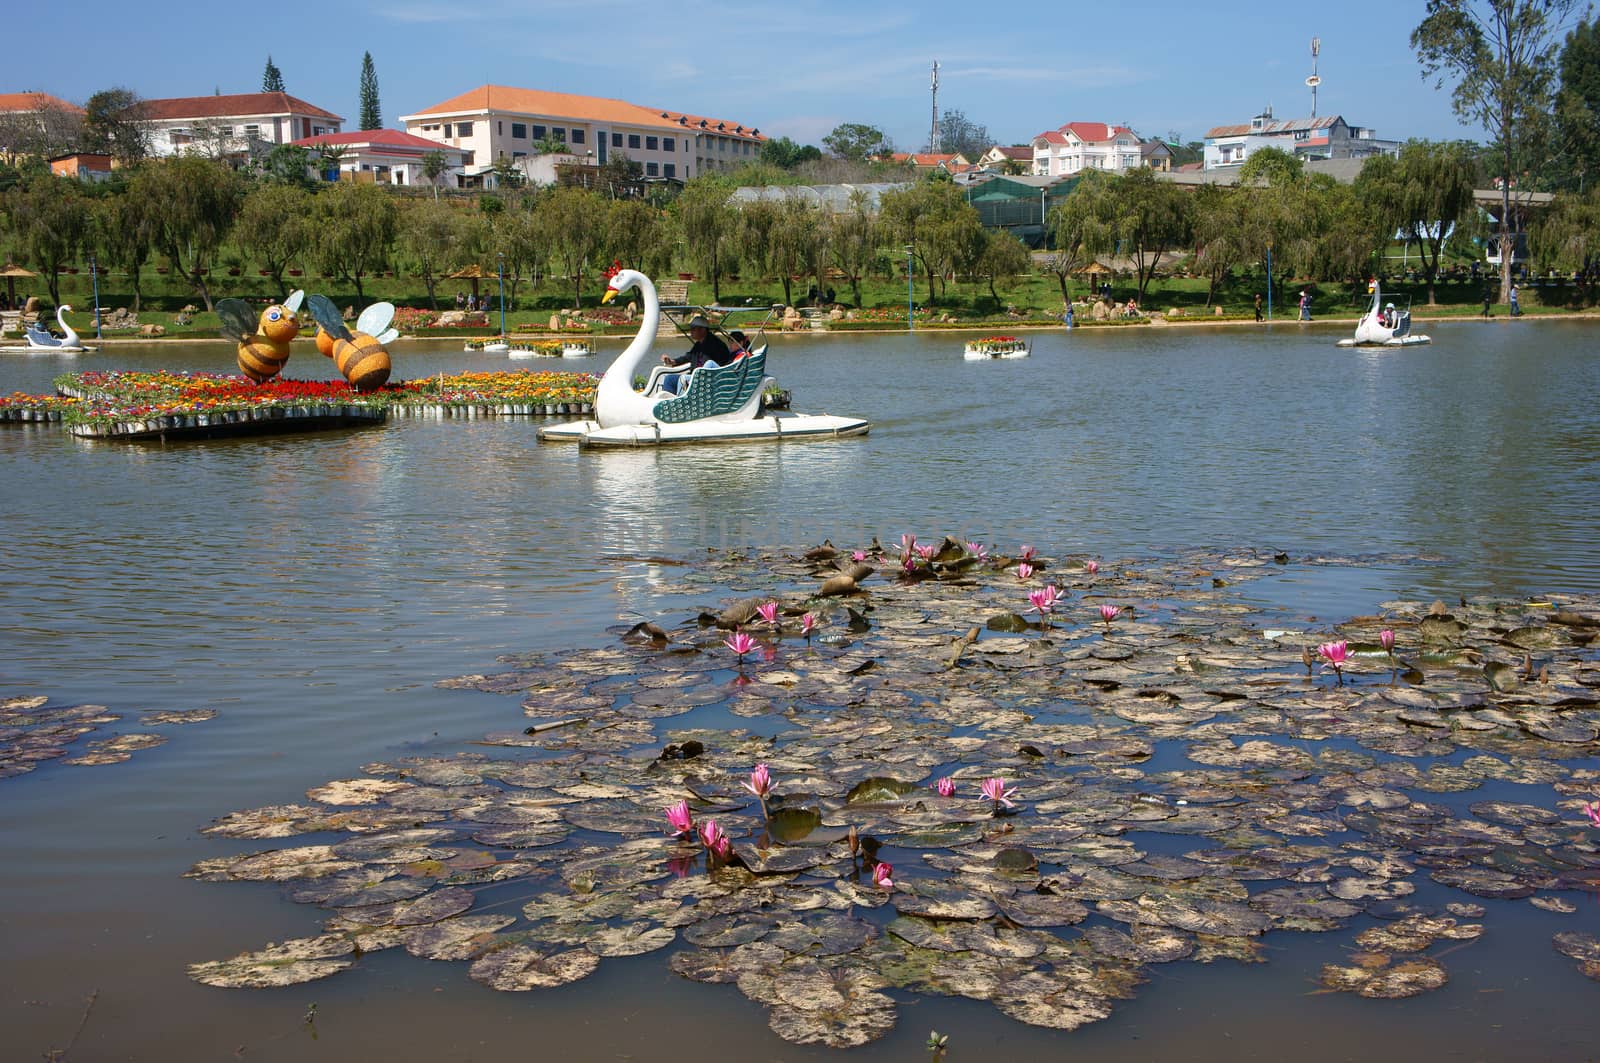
{"x": 313, "y": 589}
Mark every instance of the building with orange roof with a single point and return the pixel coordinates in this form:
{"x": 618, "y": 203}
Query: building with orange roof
{"x": 232, "y": 126}
{"x": 495, "y": 122}
{"x": 927, "y": 161}
{"x": 1079, "y": 146}
{"x": 36, "y": 124}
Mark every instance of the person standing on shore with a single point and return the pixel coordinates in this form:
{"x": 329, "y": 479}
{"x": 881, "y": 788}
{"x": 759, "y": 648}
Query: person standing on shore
{"x": 1488, "y": 299}
{"x": 1258, "y": 306}
{"x": 1516, "y": 308}
{"x": 1305, "y": 306}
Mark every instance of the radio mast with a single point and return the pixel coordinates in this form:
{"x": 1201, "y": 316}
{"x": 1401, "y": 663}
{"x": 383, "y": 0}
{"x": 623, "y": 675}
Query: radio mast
{"x": 933, "y": 132}
{"x": 1313, "y": 81}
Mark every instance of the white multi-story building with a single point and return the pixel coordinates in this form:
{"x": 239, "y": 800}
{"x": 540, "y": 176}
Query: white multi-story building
{"x": 1080, "y": 146}
{"x": 387, "y": 156}
{"x": 232, "y": 126}
{"x": 494, "y": 121}
{"x": 1330, "y": 137}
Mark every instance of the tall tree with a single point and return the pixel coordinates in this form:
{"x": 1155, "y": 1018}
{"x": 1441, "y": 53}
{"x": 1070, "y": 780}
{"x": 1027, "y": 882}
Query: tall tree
{"x": 1578, "y": 108}
{"x": 857, "y": 142}
{"x": 49, "y": 220}
{"x": 272, "y": 77}
{"x": 435, "y": 237}
{"x": 1502, "y": 56}
{"x": 797, "y": 243}
{"x": 123, "y": 238}
{"x": 354, "y": 228}
{"x": 1136, "y": 214}
{"x": 637, "y": 235}
{"x": 435, "y": 165}
{"x": 46, "y": 131}
{"x": 371, "y": 112}
{"x": 709, "y": 224}
{"x": 1069, "y": 230}
{"x": 1222, "y": 238}
{"x": 1421, "y": 195}
{"x": 192, "y": 203}
{"x": 112, "y": 125}
{"x": 959, "y": 134}
{"x": 517, "y": 233}
{"x": 1568, "y": 233}
{"x": 274, "y": 227}
{"x": 786, "y": 154}
{"x": 852, "y": 240}
{"x": 1002, "y": 259}
{"x": 287, "y": 164}
{"x": 574, "y": 221}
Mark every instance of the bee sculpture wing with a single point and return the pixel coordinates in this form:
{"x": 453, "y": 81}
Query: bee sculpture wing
{"x": 375, "y": 318}
{"x": 387, "y": 336}
{"x": 238, "y": 320}
{"x": 292, "y": 304}
{"x": 327, "y": 316}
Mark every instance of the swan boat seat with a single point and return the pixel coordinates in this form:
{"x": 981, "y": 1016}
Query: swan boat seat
{"x": 714, "y": 390}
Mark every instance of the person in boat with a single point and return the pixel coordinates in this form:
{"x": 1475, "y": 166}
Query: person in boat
{"x": 740, "y": 343}
{"x": 708, "y": 349}
{"x": 1388, "y": 317}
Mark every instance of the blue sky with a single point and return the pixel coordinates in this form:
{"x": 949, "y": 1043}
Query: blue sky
{"x": 789, "y": 69}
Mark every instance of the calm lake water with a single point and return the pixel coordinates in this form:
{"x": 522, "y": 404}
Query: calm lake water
{"x": 314, "y": 588}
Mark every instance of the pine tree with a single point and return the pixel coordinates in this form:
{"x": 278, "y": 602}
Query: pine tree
{"x": 371, "y": 116}
{"x": 272, "y": 78}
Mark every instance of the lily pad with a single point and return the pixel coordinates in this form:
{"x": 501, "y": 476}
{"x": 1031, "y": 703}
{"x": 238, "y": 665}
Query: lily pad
{"x": 291, "y": 963}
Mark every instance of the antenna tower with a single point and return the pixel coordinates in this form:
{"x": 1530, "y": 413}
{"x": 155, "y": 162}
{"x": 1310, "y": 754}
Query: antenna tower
{"x": 933, "y": 134}
{"x": 1313, "y": 81}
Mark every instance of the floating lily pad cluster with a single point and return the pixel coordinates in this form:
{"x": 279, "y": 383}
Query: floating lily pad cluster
{"x": 32, "y": 731}
{"x": 1179, "y": 781}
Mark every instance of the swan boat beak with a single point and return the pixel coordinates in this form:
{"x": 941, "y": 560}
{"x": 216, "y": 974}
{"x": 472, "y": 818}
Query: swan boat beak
{"x": 611, "y": 293}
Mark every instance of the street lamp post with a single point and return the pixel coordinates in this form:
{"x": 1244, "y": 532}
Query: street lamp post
{"x": 94, "y": 278}
{"x": 1269, "y": 280}
{"x": 502, "y": 258}
{"x": 911, "y": 291}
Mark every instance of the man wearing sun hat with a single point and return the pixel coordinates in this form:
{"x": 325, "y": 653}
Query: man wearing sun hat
{"x": 708, "y": 349}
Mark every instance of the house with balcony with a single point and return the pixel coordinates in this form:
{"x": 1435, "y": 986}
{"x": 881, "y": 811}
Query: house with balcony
{"x": 385, "y": 157}
{"x": 1080, "y": 146}
{"x": 1328, "y": 137}
{"x": 494, "y": 122}
{"x": 233, "y": 127}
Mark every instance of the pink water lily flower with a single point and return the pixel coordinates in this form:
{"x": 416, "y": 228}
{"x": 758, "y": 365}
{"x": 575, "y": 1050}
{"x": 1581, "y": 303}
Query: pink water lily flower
{"x": 807, "y": 622}
{"x": 1592, "y": 810}
{"x": 768, "y": 611}
{"x": 1027, "y": 553}
{"x": 715, "y": 841}
{"x": 1386, "y": 640}
{"x": 946, "y": 787}
{"x": 1024, "y": 570}
{"x": 909, "y": 563}
{"x": 927, "y": 550}
{"x": 1044, "y": 600}
{"x": 908, "y": 543}
{"x": 858, "y": 555}
{"x": 760, "y": 782}
{"x": 1109, "y": 613}
{"x": 881, "y": 879}
{"x": 739, "y": 643}
{"x": 978, "y": 550}
{"x": 1091, "y": 566}
{"x": 1335, "y": 653}
{"x": 995, "y": 790}
{"x": 680, "y": 819}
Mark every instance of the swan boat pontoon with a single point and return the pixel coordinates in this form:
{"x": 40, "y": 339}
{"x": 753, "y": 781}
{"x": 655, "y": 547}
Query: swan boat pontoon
{"x": 42, "y": 341}
{"x": 712, "y": 404}
{"x": 1383, "y": 325}
{"x": 995, "y": 347}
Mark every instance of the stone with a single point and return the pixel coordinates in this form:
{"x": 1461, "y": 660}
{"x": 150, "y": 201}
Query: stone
{"x": 152, "y": 330}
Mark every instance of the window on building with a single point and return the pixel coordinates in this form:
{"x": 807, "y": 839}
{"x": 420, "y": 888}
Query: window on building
{"x": 669, "y": 144}
{"x": 652, "y": 143}
{"x": 558, "y": 133}
{"x": 251, "y": 131}
{"x": 519, "y": 131}
{"x": 499, "y": 128}
{"x": 467, "y": 157}
{"x": 463, "y": 129}
{"x": 577, "y": 136}
{"x": 669, "y": 170}
{"x": 633, "y": 140}
{"x": 538, "y": 132}
{"x": 519, "y": 155}
{"x": 652, "y": 169}
{"x": 616, "y": 140}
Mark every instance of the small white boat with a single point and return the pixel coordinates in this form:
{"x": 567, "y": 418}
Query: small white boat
{"x": 577, "y": 348}
{"x": 711, "y": 404}
{"x": 995, "y": 347}
{"x": 499, "y": 346}
{"x": 1383, "y": 325}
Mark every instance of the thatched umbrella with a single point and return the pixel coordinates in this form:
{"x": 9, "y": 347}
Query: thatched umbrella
{"x": 11, "y": 272}
{"x": 473, "y": 273}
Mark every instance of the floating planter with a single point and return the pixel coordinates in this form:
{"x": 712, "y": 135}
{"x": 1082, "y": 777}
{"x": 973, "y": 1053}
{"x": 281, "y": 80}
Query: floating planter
{"x": 123, "y": 405}
{"x": 955, "y": 788}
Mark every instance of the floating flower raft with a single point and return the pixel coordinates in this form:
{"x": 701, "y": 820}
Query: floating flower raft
{"x": 135, "y": 405}
{"x": 964, "y": 801}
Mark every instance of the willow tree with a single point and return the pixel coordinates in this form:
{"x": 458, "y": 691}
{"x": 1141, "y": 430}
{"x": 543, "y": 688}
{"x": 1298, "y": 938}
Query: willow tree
{"x": 798, "y": 242}
{"x": 517, "y": 234}
{"x": 574, "y": 221}
{"x": 49, "y": 220}
{"x": 1568, "y": 234}
{"x": 273, "y": 227}
{"x": 1422, "y": 195}
{"x": 709, "y": 225}
{"x": 1002, "y": 258}
{"x": 934, "y": 219}
{"x": 124, "y": 235}
{"x": 1502, "y": 55}
{"x": 1138, "y": 214}
{"x": 355, "y": 230}
{"x": 436, "y": 237}
{"x": 192, "y": 203}
{"x": 851, "y": 237}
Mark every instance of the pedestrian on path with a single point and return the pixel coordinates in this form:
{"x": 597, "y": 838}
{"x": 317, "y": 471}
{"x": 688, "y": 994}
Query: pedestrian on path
{"x": 1516, "y": 308}
{"x": 1305, "y": 306}
{"x": 1488, "y": 299}
{"x": 1258, "y": 306}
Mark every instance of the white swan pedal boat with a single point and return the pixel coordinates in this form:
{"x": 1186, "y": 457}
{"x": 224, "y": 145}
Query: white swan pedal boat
{"x": 1383, "y": 325}
{"x": 41, "y": 341}
{"x": 712, "y": 404}
{"x": 995, "y": 347}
